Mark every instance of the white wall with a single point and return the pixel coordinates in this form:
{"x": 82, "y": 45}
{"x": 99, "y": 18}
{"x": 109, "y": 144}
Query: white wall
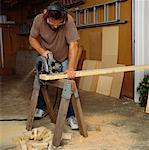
{"x": 141, "y": 40}
{"x": 146, "y": 24}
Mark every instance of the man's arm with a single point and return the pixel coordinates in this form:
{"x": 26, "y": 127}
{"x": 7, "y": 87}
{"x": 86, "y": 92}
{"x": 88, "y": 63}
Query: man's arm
{"x": 36, "y": 45}
{"x": 72, "y": 57}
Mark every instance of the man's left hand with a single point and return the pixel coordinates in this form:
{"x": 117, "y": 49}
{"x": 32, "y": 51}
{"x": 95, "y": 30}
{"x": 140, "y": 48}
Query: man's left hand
{"x": 71, "y": 74}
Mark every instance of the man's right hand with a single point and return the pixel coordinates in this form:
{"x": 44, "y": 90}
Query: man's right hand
{"x": 45, "y": 53}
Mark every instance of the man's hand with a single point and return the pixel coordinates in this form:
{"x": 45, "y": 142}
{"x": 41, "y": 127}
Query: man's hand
{"x": 71, "y": 74}
{"x": 45, "y": 53}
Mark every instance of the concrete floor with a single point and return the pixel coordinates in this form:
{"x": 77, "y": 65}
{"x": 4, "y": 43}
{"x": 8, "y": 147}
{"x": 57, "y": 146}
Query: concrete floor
{"x": 123, "y": 124}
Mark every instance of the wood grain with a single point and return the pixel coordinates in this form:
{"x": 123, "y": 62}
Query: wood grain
{"x": 94, "y": 72}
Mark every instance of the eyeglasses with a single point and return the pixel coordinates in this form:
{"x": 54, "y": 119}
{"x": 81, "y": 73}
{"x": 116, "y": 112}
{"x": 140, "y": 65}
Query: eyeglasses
{"x": 55, "y": 23}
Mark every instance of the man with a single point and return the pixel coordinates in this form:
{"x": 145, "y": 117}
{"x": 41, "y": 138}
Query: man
{"x": 54, "y": 31}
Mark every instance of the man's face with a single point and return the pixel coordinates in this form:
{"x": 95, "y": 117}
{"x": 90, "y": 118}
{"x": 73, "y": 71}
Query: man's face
{"x": 55, "y": 24}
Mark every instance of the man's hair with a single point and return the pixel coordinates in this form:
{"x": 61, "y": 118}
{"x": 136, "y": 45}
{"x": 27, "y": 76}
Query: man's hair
{"x": 56, "y": 11}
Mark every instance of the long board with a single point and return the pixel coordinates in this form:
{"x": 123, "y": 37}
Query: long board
{"x": 92, "y": 72}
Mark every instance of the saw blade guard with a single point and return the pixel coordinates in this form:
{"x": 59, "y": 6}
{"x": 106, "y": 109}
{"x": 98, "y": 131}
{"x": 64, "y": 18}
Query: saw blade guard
{"x": 41, "y": 65}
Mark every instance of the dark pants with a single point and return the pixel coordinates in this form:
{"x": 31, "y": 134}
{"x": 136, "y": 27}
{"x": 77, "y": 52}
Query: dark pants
{"x": 42, "y": 105}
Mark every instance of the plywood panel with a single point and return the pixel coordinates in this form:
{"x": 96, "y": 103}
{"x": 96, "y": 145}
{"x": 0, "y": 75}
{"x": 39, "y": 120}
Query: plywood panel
{"x": 109, "y": 59}
{"x": 117, "y": 79}
{"x": 117, "y": 84}
{"x": 89, "y": 83}
{"x": 110, "y": 39}
{"x": 104, "y": 85}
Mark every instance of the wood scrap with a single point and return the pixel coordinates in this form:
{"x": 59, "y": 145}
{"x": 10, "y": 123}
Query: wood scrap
{"x": 147, "y": 105}
{"x": 38, "y": 139}
{"x": 40, "y": 133}
{"x": 66, "y": 136}
{"x": 23, "y": 145}
{"x": 40, "y": 146}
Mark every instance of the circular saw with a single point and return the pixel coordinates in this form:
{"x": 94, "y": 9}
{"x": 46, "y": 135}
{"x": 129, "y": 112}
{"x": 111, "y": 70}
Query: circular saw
{"x": 48, "y": 65}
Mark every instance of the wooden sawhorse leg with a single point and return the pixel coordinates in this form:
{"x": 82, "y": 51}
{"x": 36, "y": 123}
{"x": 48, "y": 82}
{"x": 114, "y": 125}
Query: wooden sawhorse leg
{"x": 34, "y": 100}
{"x": 66, "y": 97}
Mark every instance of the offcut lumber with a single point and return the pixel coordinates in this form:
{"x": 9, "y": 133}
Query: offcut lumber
{"x": 23, "y": 145}
{"x": 66, "y": 136}
{"x": 94, "y": 72}
{"x": 38, "y": 139}
{"x": 147, "y": 106}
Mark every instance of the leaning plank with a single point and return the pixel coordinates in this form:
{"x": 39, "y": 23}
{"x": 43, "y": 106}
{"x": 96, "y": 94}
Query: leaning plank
{"x": 94, "y": 72}
{"x": 147, "y": 106}
{"x": 89, "y": 83}
{"x": 110, "y": 41}
{"x": 117, "y": 79}
{"x": 104, "y": 85}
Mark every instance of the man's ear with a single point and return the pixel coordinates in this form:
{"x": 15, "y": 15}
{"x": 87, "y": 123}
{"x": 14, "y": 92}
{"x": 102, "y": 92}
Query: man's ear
{"x": 45, "y": 11}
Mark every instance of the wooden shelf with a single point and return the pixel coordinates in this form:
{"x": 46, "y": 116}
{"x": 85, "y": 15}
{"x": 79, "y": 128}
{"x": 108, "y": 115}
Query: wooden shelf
{"x": 8, "y": 23}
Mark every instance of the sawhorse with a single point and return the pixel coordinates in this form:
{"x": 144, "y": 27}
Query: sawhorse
{"x": 69, "y": 92}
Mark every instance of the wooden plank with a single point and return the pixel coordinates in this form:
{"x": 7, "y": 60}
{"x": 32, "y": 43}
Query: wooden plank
{"x": 117, "y": 84}
{"x": 104, "y": 85}
{"x": 147, "y": 105}
{"x": 110, "y": 40}
{"x": 109, "y": 59}
{"x": 117, "y": 79}
{"x": 94, "y": 72}
{"x": 89, "y": 83}
{"x": 87, "y": 64}
{"x": 95, "y": 78}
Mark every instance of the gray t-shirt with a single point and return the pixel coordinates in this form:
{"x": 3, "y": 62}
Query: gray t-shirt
{"x": 55, "y": 41}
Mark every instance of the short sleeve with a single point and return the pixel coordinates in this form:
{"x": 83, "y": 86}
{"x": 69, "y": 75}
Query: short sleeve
{"x": 71, "y": 32}
{"x": 34, "y": 32}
